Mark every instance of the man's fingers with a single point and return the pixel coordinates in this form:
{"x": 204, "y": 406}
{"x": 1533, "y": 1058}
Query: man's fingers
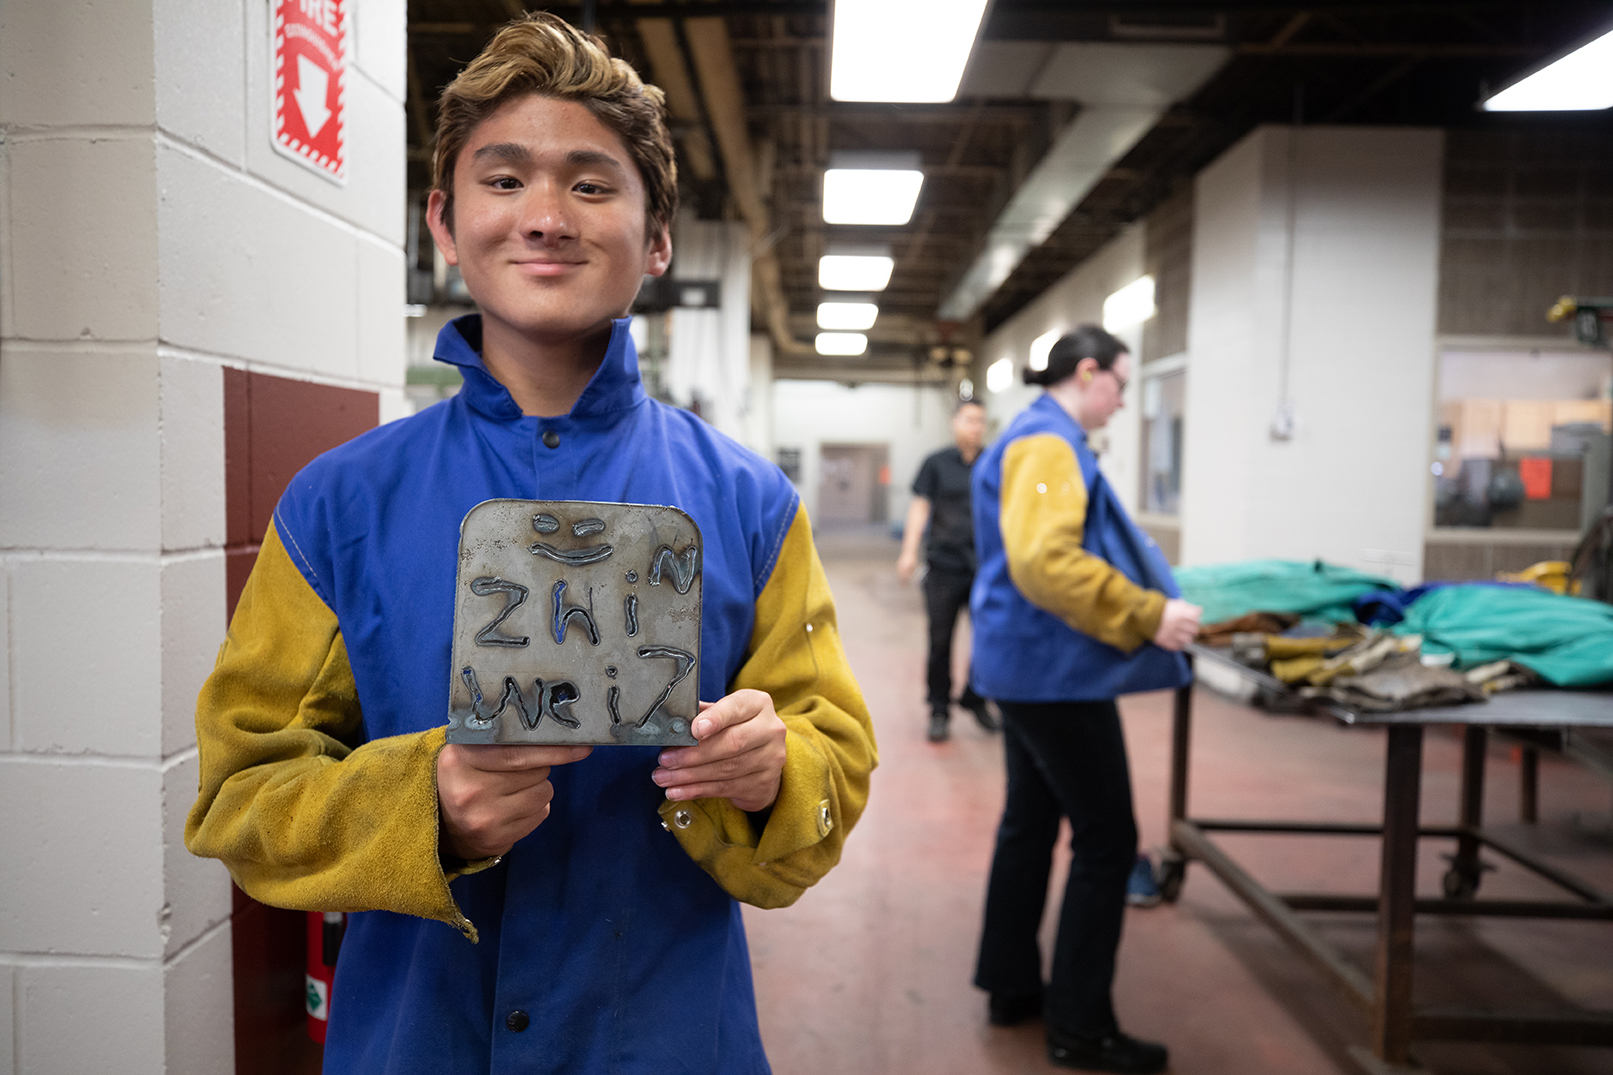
{"x": 489, "y": 820}
{"x": 720, "y": 769}
{"x": 742, "y": 794}
{"x": 733, "y": 709}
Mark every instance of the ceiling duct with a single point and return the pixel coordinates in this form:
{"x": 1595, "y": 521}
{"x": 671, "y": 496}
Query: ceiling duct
{"x": 1122, "y": 91}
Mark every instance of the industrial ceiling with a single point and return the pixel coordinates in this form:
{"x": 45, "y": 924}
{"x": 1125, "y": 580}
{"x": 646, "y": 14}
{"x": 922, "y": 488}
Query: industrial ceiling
{"x": 1073, "y": 120}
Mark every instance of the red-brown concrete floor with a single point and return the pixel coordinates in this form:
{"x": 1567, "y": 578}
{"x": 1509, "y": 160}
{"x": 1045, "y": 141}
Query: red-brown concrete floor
{"x": 870, "y": 971}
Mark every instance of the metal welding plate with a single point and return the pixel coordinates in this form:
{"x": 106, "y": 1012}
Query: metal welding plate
{"x": 575, "y": 622}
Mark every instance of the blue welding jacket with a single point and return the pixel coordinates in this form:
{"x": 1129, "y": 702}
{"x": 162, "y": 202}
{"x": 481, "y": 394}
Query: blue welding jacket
{"x": 603, "y": 946}
{"x": 1023, "y": 653}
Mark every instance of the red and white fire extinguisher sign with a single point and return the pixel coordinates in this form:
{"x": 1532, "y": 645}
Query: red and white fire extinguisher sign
{"x": 325, "y": 929}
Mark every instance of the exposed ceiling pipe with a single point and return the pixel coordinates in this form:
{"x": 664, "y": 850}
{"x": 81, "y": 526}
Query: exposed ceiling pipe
{"x": 725, "y": 107}
{"x": 668, "y": 72}
{"x": 1123, "y": 90}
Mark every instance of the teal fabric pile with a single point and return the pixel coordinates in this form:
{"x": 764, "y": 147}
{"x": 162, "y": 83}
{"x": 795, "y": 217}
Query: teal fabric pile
{"x": 1316, "y": 591}
{"x": 1567, "y": 641}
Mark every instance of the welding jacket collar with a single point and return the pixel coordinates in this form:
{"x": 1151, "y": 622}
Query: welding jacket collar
{"x": 614, "y": 386}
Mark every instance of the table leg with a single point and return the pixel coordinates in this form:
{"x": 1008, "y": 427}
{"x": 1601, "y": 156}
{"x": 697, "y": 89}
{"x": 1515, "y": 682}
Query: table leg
{"x": 1462, "y": 879}
{"x": 1529, "y": 786}
{"x": 1173, "y": 869}
{"x": 1181, "y": 731}
{"x": 1402, "y": 793}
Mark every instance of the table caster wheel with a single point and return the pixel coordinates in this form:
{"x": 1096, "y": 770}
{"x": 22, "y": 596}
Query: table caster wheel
{"x": 1459, "y": 883}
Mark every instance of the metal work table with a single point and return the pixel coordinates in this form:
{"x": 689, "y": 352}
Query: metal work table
{"x": 1385, "y": 997}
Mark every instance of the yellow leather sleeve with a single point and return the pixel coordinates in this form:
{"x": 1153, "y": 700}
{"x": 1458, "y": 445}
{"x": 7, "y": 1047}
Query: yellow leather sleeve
{"x": 795, "y": 656}
{"x": 302, "y": 815}
{"x": 1044, "y": 507}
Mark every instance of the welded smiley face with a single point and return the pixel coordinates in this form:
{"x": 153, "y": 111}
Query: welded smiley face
{"x": 574, "y": 556}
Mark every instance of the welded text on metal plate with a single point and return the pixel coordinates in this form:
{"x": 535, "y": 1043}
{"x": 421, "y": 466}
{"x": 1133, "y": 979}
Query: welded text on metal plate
{"x": 591, "y": 554}
{"x": 516, "y": 594}
{"x": 624, "y": 577}
{"x": 684, "y": 567}
{"x": 554, "y": 702}
{"x": 685, "y": 661}
{"x": 564, "y": 613}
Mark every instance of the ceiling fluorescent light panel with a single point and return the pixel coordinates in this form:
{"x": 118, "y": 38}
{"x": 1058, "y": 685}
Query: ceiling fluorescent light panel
{"x": 999, "y": 375}
{"x": 870, "y": 195}
{"x": 901, "y": 50}
{"x": 855, "y": 272}
{"x": 1041, "y": 346}
{"x": 1581, "y": 81}
{"x": 1130, "y": 306}
{"x": 849, "y": 344}
{"x": 847, "y": 316}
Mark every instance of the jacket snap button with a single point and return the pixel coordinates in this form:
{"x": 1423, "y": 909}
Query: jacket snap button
{"x": 826, "y": 818}
{"x": 551, "y": 439}
{"x": 683, "y": 819}
{"x": 517, "y": 1020}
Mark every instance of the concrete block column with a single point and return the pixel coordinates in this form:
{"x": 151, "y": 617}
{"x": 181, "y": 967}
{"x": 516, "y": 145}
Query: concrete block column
{"x": 1315, "y": 279}
{"x": 150, "y": 240}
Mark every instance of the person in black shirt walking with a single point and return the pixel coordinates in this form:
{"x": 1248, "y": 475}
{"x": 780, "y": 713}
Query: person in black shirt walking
{"x": 940, "y": 513}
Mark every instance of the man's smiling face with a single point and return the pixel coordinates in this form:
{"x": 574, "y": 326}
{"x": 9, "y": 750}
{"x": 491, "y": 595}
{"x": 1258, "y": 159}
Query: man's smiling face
{"x": 549, "y": 227}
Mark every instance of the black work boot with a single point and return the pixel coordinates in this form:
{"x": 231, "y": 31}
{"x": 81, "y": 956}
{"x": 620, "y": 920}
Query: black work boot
{"x": 1012, "y": 1009}
{"x": 1115, "y": 1052}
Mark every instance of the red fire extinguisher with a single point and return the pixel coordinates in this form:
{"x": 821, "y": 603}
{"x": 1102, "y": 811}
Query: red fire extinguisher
{"x": 325, "y": 929}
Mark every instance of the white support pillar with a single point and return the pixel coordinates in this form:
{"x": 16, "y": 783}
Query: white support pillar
{"x": 1315, "y": 273}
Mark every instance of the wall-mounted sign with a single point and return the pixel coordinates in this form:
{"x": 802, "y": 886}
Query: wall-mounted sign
{"x": 575, "y": 622}
{"x": 309, "y": 66}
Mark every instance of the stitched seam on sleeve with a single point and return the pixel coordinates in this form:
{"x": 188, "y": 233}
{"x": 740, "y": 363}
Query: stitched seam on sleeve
{"x": 759, "y": 583}
{"x": 308, "y": 568}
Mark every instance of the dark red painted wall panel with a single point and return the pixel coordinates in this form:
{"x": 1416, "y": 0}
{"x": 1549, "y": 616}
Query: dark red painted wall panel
{"x": 273, "y": 427}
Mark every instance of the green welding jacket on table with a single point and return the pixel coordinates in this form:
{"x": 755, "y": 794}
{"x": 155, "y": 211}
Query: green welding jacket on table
{"x": 612, "y": 929}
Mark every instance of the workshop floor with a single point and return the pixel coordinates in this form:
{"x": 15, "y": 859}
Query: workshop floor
{"x": 870, "y": 971}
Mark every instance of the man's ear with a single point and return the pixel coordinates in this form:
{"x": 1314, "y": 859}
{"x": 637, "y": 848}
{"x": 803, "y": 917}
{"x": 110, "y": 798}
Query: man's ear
{"x": 441, "y": 233}
{"x": 660, "y": 255}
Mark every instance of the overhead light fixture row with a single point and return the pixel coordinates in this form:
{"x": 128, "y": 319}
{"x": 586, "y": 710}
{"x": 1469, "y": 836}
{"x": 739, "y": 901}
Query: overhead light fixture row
{"x": 847, "y": 316}
{"x": 901, "y": 50}
{"x": 870, "y": 195}
{"x": 855, "y": 272}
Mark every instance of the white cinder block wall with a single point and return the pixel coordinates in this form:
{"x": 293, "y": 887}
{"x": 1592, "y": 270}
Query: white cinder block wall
{"x": 150, "y": 236}
{"x": 1351, "y": 485}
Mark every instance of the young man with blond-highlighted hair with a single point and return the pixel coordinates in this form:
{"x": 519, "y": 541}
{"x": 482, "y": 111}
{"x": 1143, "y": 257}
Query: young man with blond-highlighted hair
{"x": 531, "y": 908}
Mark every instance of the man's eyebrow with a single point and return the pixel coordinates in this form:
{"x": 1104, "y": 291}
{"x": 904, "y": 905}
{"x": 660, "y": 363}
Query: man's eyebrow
{"x": 510, "y": 152}
{"x": 593, "y": 158}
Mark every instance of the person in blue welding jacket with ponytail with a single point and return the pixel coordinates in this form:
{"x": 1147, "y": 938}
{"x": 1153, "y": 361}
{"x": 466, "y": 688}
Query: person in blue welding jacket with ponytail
{"x": 1073, "y": 605}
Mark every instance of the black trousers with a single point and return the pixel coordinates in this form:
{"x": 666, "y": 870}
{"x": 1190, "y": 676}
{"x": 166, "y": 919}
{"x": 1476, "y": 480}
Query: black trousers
{"x": 1063, "y": 759}
{"x": 946, "y": 593}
